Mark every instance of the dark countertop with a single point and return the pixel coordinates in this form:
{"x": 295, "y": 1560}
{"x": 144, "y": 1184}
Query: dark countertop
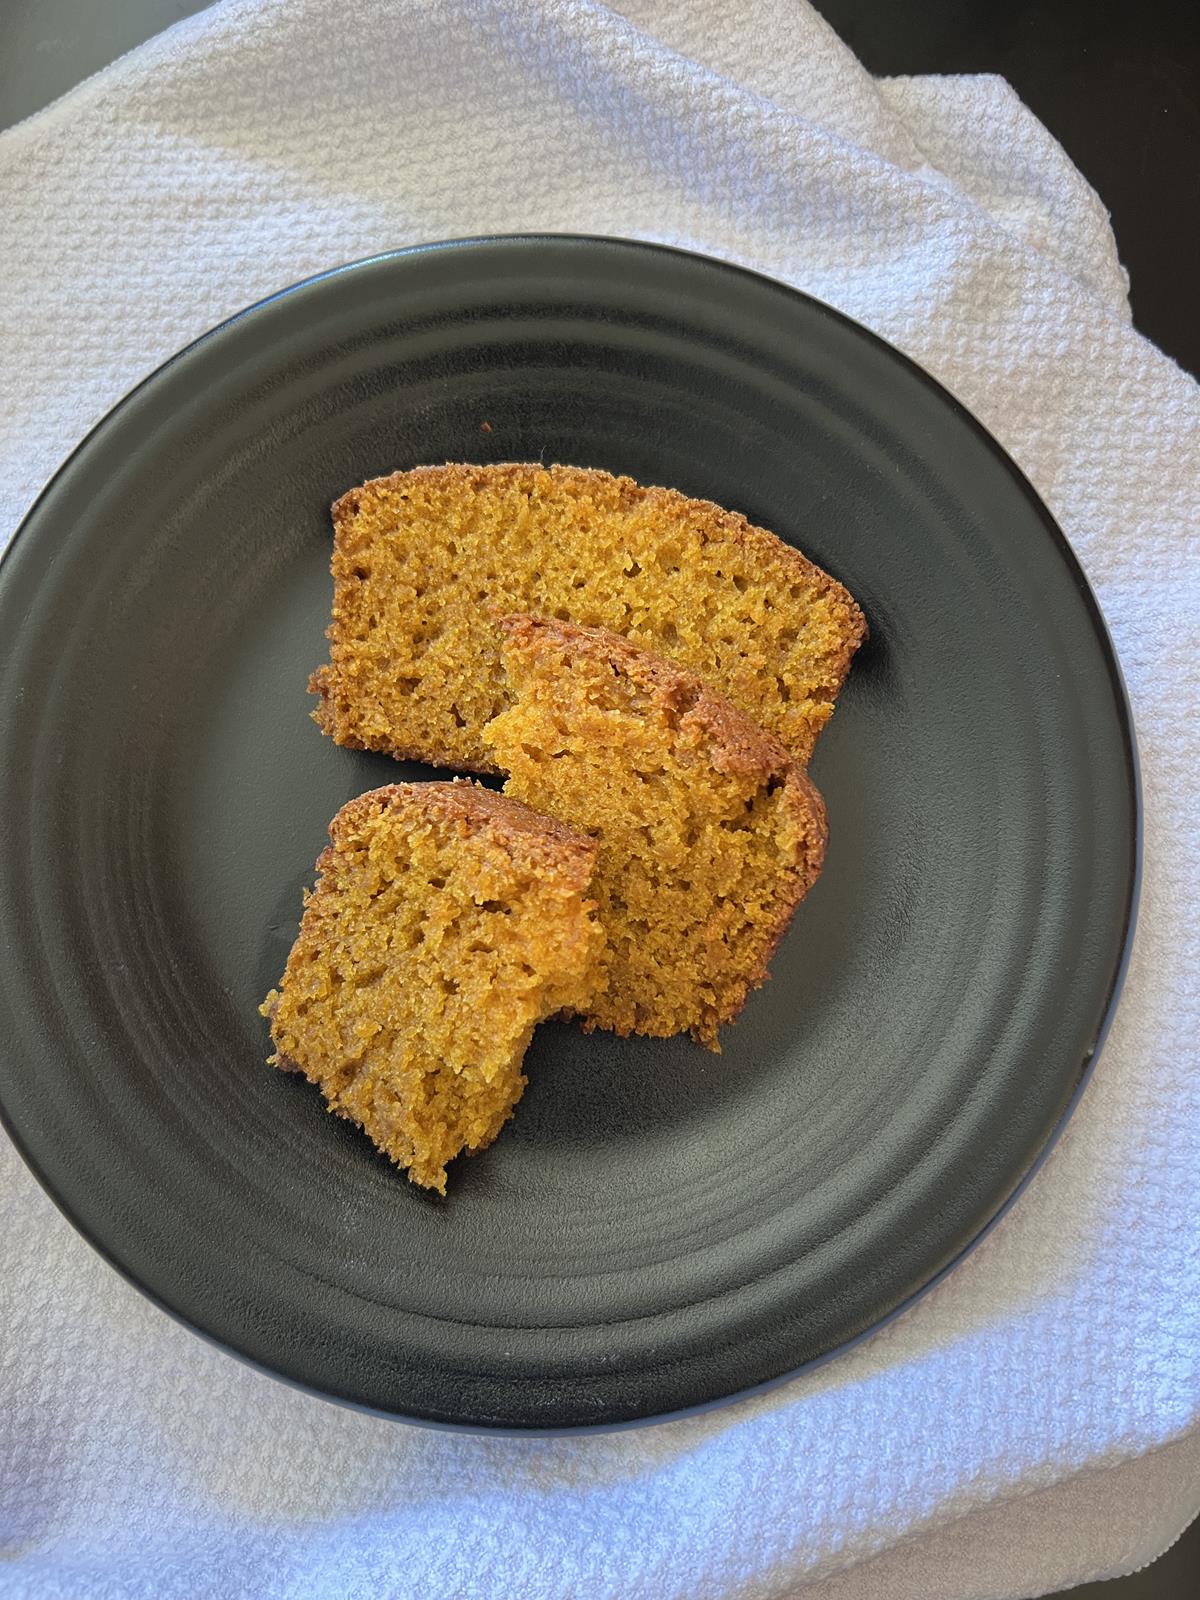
{"x": 1117, "y": 83}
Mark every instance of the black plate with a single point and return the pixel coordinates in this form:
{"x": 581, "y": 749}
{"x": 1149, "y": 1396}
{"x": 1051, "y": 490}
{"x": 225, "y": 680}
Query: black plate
{"x": 659, "y": 1227}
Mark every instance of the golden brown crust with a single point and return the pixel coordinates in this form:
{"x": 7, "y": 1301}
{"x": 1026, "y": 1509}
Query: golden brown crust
{"x": 804, "y": 799}
{"x": 479, "y": 810}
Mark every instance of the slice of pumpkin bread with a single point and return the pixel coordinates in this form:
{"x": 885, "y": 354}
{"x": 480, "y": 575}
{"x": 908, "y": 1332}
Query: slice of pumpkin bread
{"x": 446, "y": 921}
{"x": 709, "y": 834}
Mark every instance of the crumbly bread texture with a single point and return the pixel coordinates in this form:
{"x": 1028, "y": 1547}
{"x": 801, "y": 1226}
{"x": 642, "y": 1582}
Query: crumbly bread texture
{"x": 709, "y": 834}
{"x": 446, "y": 921}
{"x": 425, "y": 560}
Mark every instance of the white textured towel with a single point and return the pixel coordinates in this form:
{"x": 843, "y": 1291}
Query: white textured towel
{"x": 1033, "y": 1421}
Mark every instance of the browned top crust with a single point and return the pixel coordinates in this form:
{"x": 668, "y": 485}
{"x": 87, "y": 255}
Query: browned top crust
{"x": 478, "y": 810}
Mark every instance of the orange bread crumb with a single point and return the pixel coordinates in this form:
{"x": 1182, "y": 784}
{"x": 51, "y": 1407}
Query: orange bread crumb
{"x": 446, "y": 922}
{"x": 424, "y": 560}
{"x": 709, "y": 834}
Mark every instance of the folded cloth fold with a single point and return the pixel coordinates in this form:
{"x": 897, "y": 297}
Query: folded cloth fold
{"x": 263, "y": 140}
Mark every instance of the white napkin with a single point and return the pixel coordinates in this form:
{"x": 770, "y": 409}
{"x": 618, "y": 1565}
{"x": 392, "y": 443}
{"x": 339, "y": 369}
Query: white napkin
{"x": 266, "y": 139}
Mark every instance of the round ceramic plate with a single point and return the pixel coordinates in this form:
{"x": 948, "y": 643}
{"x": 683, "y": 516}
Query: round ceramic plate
{"x": 658, "y": 1227}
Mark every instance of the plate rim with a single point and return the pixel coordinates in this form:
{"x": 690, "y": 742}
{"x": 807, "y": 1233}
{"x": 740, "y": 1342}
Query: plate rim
{"x": 1122, "y": 706}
